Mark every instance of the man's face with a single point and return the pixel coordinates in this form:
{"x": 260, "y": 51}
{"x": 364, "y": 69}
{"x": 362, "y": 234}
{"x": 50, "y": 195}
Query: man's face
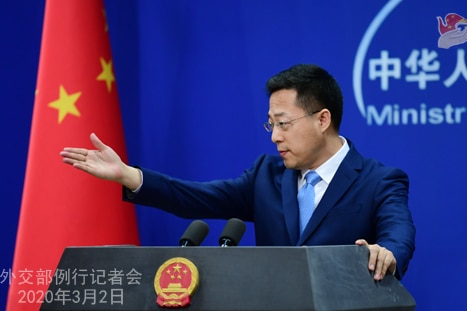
{"x": 298, "y": 136}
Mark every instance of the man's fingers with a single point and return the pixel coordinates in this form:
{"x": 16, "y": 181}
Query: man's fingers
{"x": 96, "y": 142}
{"x": 373, "y": 253}
{"x": 361, "y": 242}
{"x": 373, "y": 258}
{"x": 78, "y": 154}
{"x": 82, "y": 166}
{"x": 384, "y": 262}
{"x": 380, "y": 261}
{"x": 380, "y": 269}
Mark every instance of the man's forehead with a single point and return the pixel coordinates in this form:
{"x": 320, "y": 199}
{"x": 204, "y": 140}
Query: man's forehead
{"x": 283, "y": 111}
{"x": 277, "y": 113}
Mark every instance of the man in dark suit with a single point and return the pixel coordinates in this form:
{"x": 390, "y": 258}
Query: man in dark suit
{"x": 354, "y": 200}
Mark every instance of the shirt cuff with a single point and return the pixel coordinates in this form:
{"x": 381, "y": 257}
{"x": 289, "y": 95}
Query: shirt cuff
{"x": 136, "y": 191}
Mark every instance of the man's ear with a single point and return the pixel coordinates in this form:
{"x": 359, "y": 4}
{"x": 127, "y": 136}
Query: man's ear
{"x": 324, "y": 119}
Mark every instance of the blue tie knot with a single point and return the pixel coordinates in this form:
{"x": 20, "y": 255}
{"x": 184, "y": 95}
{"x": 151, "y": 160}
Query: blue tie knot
{"x": 312, "y": 178}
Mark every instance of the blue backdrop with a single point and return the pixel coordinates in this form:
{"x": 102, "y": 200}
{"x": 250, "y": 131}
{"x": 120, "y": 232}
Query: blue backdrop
{"x": 191, "y": 78}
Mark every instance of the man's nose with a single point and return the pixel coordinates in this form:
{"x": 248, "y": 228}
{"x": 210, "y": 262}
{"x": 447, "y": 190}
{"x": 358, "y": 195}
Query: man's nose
{"x": 276, "y": 135}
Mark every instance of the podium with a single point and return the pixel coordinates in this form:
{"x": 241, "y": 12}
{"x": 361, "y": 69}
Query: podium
{"x": 323, "y": 278}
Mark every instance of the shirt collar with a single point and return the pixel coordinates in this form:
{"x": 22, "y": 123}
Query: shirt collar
{"x": 328, "y": 169}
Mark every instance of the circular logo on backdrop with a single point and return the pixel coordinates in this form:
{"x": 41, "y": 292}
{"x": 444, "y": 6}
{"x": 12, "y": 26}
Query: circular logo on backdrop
{"x": 410, "y": 69}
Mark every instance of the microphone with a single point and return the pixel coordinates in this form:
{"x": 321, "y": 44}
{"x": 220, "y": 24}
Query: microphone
{"x": 232, "y": 233}
{"x": 194, "y": 234}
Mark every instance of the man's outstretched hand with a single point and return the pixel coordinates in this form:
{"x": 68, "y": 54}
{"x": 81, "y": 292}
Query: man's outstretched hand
{"x": 103, "y": 162}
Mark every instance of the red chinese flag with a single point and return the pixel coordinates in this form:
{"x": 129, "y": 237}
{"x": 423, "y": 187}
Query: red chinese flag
{"x": 76, "y": 94}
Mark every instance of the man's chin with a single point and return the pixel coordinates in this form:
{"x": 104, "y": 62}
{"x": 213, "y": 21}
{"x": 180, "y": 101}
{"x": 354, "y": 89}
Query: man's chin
{"x": 289, "y": 164}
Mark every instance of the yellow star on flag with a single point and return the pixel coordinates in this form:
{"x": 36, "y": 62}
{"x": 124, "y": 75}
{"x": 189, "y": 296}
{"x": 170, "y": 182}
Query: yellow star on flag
{"x": 66, "y": 104}
{"x": 106, "y": 74}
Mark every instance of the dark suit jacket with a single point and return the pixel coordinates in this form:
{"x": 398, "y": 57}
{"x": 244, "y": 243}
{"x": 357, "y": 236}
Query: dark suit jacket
{"x": 365, "y": 200}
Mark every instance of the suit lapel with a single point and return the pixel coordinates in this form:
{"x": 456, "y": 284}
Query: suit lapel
{"x": 342, "y": 180}
{"x": 290, "y": 205}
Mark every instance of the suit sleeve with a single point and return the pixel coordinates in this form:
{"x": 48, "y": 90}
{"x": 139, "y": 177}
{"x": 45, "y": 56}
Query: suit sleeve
{"x": 394, "y": 225}
{"x": 217, "y": 199}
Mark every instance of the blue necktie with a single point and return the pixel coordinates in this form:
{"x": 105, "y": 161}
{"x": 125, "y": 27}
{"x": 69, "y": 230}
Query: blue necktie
{"x": 306, "y": 198}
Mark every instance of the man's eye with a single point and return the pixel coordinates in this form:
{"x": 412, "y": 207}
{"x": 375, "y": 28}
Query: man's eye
{"x": 282, "y": 123}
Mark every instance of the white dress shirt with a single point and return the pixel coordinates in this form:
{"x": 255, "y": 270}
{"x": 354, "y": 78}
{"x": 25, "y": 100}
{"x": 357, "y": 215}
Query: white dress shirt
{"x": 326, "y": 171}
